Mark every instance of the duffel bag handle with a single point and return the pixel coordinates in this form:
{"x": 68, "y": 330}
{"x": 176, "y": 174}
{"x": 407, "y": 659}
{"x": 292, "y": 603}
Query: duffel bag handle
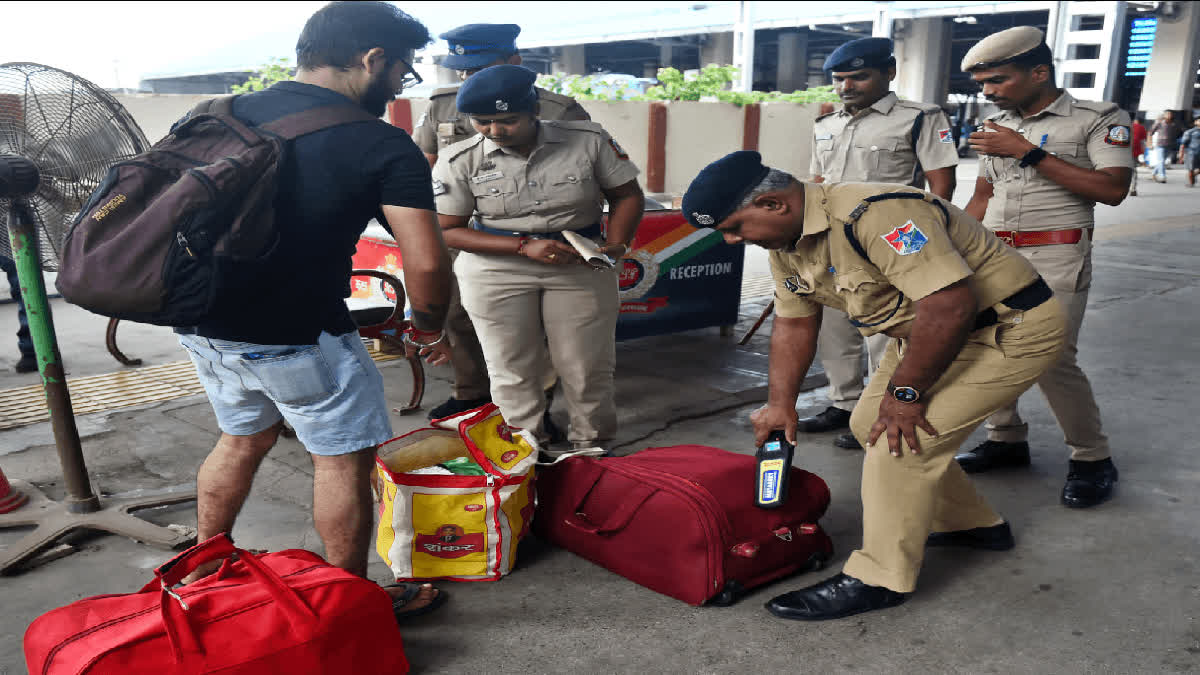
{"x": 188, "y": 652}
{"x": 618, "y": 518}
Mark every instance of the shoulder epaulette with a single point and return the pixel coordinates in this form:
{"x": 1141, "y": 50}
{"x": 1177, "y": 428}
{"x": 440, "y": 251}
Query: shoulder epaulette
{"x": 445, "y": 91}
{"x": 1102, "y": 107}
{"x": 456, "y": 150}
{"x": 576, "y": 125}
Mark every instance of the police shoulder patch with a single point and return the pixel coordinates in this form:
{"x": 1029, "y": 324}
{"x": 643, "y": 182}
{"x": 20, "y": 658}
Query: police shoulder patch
{"x": 439, "y": 188}
{"x": 906, "y": 239}
{"x": 1118, "y": 134}
{"x": 945, "y": 136}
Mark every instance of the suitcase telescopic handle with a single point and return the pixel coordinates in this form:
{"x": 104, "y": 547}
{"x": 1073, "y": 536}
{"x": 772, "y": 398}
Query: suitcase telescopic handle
{"x": 618, "y": 518}
{"x": 189, "y": 653}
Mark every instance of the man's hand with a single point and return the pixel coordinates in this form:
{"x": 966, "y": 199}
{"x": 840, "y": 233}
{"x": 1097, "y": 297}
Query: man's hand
{"x": 900, "y": 420}
{"x": 1000, "y": 142}
{"x": 436, "y": 355}
{"x": 773, "y": 418}
{"x": 550, "y": 252}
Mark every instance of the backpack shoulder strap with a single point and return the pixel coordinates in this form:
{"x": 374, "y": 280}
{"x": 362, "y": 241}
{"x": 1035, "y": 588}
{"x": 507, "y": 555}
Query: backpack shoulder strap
{"x": 315, "y": 119}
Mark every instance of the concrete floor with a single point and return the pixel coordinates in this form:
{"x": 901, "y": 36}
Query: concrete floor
{"x": 1114, "y": 589}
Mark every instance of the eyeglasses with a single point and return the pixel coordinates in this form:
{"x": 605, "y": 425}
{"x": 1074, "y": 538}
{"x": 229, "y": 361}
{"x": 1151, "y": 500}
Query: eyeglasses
{"x": 412, "y": 78}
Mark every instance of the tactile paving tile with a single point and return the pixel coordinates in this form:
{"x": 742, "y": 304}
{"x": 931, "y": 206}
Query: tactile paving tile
{"x": 96, "y": 393}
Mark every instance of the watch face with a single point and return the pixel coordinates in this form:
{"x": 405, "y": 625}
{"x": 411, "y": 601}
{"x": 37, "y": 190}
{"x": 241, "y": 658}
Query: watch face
{"x": 905, "y": 394}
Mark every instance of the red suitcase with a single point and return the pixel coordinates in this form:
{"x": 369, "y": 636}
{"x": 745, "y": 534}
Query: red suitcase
{"x": 682, "y": 521}
{"x": 287, "y": 612}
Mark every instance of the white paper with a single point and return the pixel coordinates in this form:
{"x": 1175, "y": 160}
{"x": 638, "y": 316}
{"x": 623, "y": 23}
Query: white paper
{"x": 589, "y": 250}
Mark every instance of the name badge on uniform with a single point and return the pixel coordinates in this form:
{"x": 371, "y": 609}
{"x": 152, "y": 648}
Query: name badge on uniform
{"x": 485, "y": 177}
{"x": 439, "y": 188}
{"x": 824, "y": 137}
{"x": 446, "y": 129}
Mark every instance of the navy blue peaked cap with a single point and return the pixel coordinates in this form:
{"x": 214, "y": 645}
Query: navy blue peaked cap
{"x": 475, "y": 45}
{"x": 498, "y": 89}
{"x": 858, "y": 54}
{"x": 721, "y": 186}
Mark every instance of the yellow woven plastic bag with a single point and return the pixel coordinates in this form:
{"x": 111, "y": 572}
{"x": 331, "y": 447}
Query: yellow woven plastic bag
{"x": 434, "y": 524}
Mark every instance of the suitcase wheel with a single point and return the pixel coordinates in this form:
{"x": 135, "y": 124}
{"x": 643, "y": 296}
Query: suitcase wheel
{"x": 734, "y": 590}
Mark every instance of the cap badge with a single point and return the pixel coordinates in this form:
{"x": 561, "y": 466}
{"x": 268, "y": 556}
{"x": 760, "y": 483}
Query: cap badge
{"x": 857, "y": 62}
{"x": 501, "y": 105}
{"x": 460, "y": 50}
{"x": 703, "y": 218}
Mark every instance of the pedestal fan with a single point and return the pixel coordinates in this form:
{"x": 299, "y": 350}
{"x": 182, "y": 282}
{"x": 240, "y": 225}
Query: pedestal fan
{"x": 59, "y": 134}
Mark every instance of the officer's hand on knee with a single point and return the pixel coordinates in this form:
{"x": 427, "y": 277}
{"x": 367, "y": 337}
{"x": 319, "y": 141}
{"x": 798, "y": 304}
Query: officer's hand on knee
{"x": 773, "y": 418}
{"x": 900, "y": 421}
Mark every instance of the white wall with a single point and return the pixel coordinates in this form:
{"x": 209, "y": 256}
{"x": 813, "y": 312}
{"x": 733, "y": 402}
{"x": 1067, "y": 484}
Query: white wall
{"x": 698, "y": 133}
{"x": 155, "y": 113}
{"x": 628, "y": 122}
{"x": 785, "y": 136}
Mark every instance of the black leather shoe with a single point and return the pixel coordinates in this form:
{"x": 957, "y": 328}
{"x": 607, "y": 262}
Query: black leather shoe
{"x": 1089, "y": 483}
{"x": 847, "y": 442}
{"x": 994, "y": 538}
{"x": 831, "y": 419}
{"x": 27, "y": 364}
{"x": 454, "y": 406}
{"x": 990, "y": 455}
{"x": 834, "y": 598}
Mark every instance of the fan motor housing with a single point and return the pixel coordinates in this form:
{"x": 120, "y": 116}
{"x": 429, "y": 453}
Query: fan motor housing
{"x": 18, "y": 177}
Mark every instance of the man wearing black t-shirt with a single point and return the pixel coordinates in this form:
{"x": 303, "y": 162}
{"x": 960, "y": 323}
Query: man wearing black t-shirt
{"x": 290, "y": 350}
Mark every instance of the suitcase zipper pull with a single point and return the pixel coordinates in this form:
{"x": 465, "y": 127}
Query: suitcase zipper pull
{"x": 182, "y": 240}
{"x": 173, "y": 594}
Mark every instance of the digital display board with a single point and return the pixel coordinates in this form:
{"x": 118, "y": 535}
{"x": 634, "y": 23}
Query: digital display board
{"x": 1141, "y": 46}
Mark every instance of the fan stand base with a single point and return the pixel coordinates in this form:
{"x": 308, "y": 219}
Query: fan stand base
{"x": 53, "y": 521}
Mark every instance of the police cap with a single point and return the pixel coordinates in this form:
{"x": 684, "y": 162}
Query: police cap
{"x": 498, "y": 89}
{"x": 858, "y": 54}
{"x": 1019, "y": 44}
{"x": 475, "y": 45}
{"x": 721, "y": 186}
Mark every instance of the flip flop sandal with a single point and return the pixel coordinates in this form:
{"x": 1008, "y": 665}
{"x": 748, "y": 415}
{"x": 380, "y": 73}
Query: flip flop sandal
{"x": 411, "y": 591}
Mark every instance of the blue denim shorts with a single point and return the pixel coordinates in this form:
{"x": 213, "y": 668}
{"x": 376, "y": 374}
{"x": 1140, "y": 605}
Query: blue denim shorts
{"x": 331, "y": 393}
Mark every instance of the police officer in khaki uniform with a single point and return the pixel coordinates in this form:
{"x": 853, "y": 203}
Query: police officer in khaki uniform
{"x": 877, "y": 138}
{"x": 474, "y": 47}
{"x": 1045, "y": 160}
{"x": 526, "y": 181}
{"x": 973, "y": 327}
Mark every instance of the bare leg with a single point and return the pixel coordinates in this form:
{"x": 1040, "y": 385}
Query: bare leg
{"x": 223, "y": 482}
{"x": 343, "y": 514}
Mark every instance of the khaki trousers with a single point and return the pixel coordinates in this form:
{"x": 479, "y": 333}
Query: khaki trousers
{"x": 905, "y": 498}
{"x": 1067, "y": 269}
{"x": 466, "y": 356}
{"x": 519, "y": 307}
{"x": 840, "y": 348}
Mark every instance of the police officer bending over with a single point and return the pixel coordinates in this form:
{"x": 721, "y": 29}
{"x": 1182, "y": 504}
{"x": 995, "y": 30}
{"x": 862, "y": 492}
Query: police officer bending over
{"x": 474, "y": 47}
{"x": 1045, "y": 160}
{"x": 874, "y": 138}
{"x": 526, "y": 181}
{"x": 974, "y": 326}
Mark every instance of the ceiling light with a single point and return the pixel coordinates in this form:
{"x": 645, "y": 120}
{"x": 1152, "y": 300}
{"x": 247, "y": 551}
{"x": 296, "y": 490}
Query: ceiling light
{"x": 966, "y": 19}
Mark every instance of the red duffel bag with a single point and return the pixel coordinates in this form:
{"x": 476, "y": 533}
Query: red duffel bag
{"x": 682, "y": 521}
{"x": 286, "y": 612}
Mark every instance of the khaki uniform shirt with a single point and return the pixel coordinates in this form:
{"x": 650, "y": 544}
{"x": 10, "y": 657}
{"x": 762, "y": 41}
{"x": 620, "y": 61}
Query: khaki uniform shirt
{"x": 442, "y": 125}
{"x": 1086, "y": 134}
{"x": 558, "y": 187}
{"x": 876, "y": 145}
{"x": 911, "y": 252}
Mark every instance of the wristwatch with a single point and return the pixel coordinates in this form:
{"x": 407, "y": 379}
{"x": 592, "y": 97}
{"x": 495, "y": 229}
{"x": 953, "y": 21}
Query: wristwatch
{"x": 903, "y": 394}
{"x": 1032, "y": 157}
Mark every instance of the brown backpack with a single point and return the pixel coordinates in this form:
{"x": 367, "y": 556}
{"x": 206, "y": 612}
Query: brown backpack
{"x": 176, "y": 231}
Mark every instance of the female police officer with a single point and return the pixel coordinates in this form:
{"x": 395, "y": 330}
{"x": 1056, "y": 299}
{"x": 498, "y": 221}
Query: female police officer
{"x": 525, "y": 181}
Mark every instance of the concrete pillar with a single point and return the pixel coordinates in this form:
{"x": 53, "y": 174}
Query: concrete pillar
{"x": 666, "y": 56}
{"x": 792, "y": 67}
{"x": 1171, "y": 73}
{"x": 650, "y": 70}
{"x": 881, "y": 25}
{"x": 923, "y": 60}
{"x": 1102, "y": 69}
{"x": 572, "y": 60}
{"x": 743, "y": 47}
{"x": 718, "y": 50}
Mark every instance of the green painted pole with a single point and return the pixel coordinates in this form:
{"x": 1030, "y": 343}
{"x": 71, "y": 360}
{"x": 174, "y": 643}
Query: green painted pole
{"x": 23, "y": 238}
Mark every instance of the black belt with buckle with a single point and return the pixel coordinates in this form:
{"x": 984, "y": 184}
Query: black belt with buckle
{"x": 591, "y": 231}
{"x": 1025, "y": 299}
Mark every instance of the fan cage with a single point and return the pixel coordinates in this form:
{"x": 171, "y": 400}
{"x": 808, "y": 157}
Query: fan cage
{"x": 73, "y": 131}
